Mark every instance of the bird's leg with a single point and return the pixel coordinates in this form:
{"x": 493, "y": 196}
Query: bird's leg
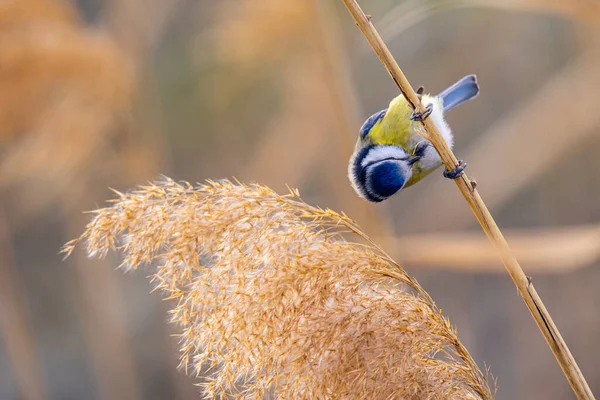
{"x": 422, "y": 116}
{"x": 456, "y": 172}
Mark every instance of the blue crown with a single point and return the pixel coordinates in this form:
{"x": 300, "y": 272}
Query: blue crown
{"x": 370, "y": 122}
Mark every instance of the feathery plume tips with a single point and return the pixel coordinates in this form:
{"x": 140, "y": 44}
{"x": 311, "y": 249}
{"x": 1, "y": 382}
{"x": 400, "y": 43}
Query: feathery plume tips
{"x": 274, "y": 296}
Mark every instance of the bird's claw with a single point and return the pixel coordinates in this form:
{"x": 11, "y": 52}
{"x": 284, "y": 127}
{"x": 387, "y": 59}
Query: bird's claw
{"x": 422, "y": 116}
{"x": 456, "y": 172}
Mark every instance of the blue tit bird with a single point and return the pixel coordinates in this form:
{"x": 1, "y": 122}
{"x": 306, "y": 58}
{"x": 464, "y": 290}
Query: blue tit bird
{"x": 390, "y": 155}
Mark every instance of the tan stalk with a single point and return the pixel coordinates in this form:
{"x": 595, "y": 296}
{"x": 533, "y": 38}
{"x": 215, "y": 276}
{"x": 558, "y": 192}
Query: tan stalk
{"x": 527, "y": 124}
{"x": 544, "y": 251}
{"x": 468, "y": 189}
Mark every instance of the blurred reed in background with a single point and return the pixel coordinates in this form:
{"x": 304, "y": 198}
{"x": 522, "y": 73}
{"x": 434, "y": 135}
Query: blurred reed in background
{"x": 203, "y": 89}
{"x": 63, "y": 91}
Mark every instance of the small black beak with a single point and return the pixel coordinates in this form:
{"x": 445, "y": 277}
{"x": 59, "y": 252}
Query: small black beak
{"x": 413, "y": 159}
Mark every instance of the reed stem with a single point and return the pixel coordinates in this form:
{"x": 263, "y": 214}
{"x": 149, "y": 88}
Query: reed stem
{"x": 468, "y": 189}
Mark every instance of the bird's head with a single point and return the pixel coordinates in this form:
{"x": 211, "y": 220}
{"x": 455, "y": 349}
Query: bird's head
{"x": 380, "y": 165}
{"x": 378, "y": 171}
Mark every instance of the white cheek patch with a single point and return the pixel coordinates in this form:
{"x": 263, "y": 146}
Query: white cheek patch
{"x": 378, "y": 153}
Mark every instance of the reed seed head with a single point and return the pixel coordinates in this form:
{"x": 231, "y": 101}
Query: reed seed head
{"x": 274, "y": 296}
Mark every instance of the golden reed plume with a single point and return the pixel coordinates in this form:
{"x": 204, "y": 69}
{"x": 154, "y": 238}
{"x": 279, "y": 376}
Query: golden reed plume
{"x": 272, "y": 298}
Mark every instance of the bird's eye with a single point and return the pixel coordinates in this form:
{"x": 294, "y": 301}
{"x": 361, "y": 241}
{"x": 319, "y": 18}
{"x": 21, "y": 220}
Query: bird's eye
{"x": 370, "y": 122}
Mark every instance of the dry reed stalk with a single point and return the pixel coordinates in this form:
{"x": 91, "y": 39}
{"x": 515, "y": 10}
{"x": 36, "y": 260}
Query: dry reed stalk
{"x": 545, "y": 251}
{"x": 529, "y": 126}
{"x": 272, "y": 299}
{"x": 489, "y": 226}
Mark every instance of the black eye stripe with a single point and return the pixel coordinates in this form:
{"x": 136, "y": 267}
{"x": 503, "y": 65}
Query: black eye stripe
{"x": 385, "y": 159}
{"x": 360, "y": 174}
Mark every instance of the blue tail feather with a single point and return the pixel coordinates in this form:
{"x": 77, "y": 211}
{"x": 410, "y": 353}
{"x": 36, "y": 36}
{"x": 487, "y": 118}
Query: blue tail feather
{"x": 463, "y": 90}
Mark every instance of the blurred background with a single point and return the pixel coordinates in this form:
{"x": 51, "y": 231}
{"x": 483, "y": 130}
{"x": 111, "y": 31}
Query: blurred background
{"x": 111, "y": 93}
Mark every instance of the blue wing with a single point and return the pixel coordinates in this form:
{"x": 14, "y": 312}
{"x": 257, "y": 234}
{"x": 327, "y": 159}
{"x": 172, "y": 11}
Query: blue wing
{"x": 463, "y": 90}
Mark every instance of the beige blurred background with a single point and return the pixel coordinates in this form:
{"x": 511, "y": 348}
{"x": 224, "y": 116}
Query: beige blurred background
{"x": 110, "y": 93}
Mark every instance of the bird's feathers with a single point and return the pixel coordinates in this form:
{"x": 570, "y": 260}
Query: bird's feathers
{"x": 370, "y": 122}
{"x": 367, "y": 162}
{"x": 394, "y": 127}
{"x": 384, "y": 178}
{"x": 463, "y": 90}
{"x": 383, "y": 161}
